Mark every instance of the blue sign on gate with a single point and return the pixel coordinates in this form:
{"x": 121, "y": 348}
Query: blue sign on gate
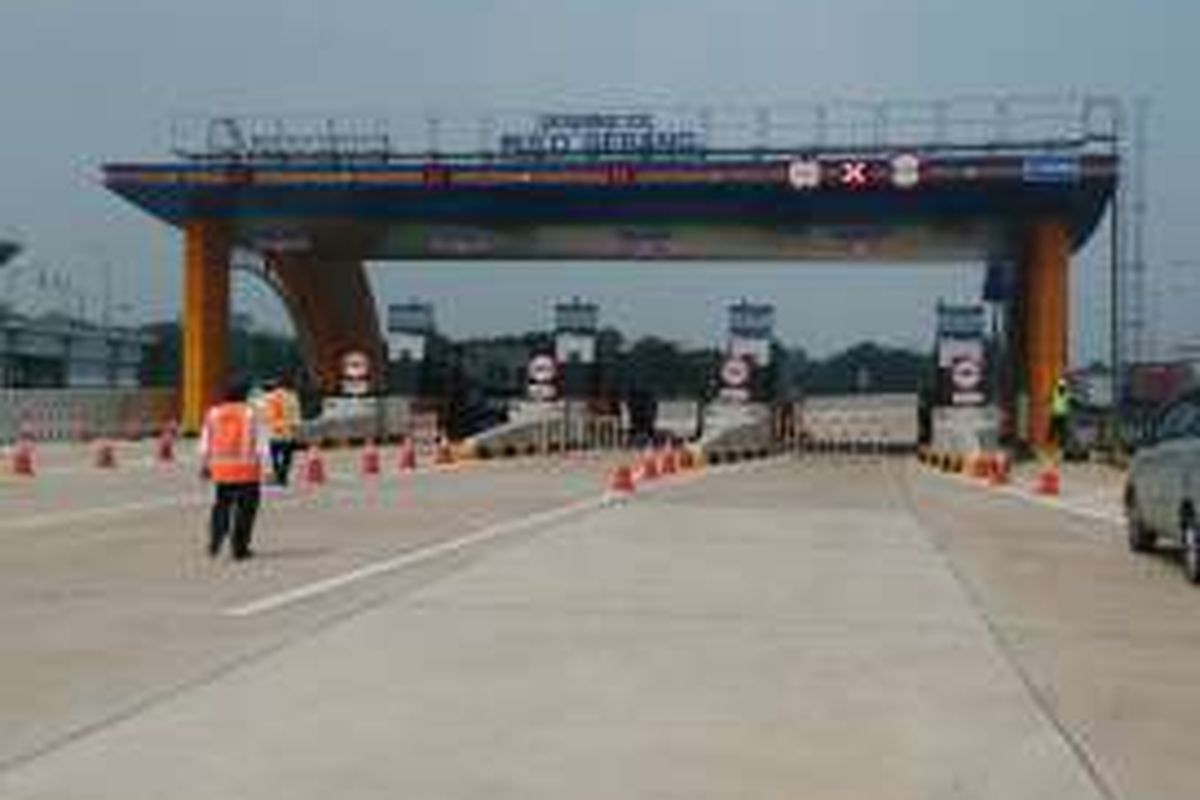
{"x": 1051, "y": 169}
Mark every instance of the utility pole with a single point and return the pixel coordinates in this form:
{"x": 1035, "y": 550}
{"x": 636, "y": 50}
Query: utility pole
{"x": 110, "y": 344}
{"x": 1144, "y": 345}
{"x": 106, "y": 322}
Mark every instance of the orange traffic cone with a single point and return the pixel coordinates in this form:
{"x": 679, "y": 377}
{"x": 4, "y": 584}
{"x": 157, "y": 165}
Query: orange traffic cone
{"x": 981, "y": 466}
{"x": 165, "y": 451}
{"x": 370, "y": 460}
{"x": 669, "y": 465}
{"x": 407, "y": 462}
{"x": 999, "y": 473}
{"x": 314, "y": 467}
{"x": 686, "y": 459}
{"x": 621, "y": 482}
{"x": 22, "y": 459}
{"x": 1048, "y": 481}
{"x": 445, "y": 455}
{"x": 650, "y": 467}
{"x": 106, "y": 455}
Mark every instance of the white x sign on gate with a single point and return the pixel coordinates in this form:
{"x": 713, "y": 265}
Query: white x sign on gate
{"x": 854, "y": 173}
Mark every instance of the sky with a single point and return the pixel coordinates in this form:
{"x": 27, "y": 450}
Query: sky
{"x": 85, "y": 82}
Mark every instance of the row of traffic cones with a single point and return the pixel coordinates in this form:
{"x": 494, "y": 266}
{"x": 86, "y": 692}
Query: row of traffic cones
{"x": 995, "y": 469}
{"x": 22, "y": 460}
{"x": 371, "y": 461}
{"x": 653, "y": 465}
{"x": 992, "y": 468}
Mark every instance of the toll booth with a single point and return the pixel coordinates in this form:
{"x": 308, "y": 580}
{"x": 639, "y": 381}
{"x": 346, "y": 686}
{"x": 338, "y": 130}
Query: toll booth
{"x": 748, "y": 372}
{"x": 575, "y": 326}
{"x": 410, "y": 331}
{"x": 964, "y": 417}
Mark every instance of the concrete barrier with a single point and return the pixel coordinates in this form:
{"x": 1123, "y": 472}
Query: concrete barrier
{"x": 548, "y": 428}
{"x": 356, "y": 421}
{"x": 863, "y": 422}
{"x": 733, "y": 430}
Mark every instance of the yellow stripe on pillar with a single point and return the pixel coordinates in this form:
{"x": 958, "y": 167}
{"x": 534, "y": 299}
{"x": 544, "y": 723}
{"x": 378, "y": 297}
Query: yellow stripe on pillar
{"x": 205, "y": 318}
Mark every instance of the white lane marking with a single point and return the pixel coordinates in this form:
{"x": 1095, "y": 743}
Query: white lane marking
{"x": 88, "y": 514}
{"x": 1034, "y": 499}
{"x": 1063, "y": 505}
{"x": 411, "y": 558}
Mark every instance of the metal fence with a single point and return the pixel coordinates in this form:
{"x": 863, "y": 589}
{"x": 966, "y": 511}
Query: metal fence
{"x": 1003, "y": 122}
{"x": 72, "y": 414}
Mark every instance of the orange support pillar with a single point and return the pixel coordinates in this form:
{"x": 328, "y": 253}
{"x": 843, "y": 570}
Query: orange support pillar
{"x": 205, "y": 318}
{"x": 1046, "y": 306}
{"x": 333, "y": 312}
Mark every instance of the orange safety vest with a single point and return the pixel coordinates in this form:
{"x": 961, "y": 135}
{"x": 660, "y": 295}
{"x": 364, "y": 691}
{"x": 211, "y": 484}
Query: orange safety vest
{"x": 232, "y": 446}
{"x": 275, "y": 410}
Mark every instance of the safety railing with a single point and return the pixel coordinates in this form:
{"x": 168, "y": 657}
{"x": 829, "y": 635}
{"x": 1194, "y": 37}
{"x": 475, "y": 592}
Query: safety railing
{"x": 987, "y": 123}
{"x": 78, "y": 414}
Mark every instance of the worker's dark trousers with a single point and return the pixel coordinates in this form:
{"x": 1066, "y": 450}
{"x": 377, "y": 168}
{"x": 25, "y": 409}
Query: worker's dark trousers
{"x": 233, "y": 512}
{"x": 281, "y": 459}
{"x": 1058, "y": 430}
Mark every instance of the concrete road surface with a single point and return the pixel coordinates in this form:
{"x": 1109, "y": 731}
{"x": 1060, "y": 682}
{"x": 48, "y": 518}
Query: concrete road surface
{"x": 827, "y": 628}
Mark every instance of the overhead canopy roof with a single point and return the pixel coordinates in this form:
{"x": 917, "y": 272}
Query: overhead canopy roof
{"x": 869, "y": 206}
{"x": 943, "y": 180}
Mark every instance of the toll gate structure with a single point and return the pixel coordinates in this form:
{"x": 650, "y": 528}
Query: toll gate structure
{"x": 1023, "y": 181}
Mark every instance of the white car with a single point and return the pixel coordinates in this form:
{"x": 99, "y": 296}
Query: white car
{"x": 1162, "y": 493}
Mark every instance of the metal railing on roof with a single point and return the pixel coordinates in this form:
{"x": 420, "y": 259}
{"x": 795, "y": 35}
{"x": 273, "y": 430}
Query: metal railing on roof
{"x": 965, "y": 124}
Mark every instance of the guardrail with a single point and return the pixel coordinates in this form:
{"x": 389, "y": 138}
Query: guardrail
{"x": 970, "y": 122}
{"x": 73, "y": 414}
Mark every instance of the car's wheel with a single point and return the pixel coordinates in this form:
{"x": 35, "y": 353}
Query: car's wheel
{"x": 1141, "y": 537}
{"x": 1191, "y": 551}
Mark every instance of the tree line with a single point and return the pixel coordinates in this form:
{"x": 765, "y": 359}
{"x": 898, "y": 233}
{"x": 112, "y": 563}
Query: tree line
{"x": 658, "y": 366}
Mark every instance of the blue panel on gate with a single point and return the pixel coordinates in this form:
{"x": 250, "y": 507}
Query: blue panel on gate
{"x": 1051, "y": 169}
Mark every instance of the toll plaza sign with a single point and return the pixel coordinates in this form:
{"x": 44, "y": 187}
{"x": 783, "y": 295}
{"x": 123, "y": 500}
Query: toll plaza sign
{"x": 598, "y": 135}
{"x": 356, "y": 373}
{"x": 543, "y": 377}
{"x": 961, "y": 355}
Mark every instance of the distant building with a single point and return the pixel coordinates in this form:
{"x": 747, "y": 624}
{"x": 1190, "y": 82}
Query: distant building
{"x": 1154, "y": 384}
{"x": 56, "y": 351}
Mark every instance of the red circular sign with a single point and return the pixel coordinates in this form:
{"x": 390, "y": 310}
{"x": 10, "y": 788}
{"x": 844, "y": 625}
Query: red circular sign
{"x": 355, "y": 365}
{"x": 966, "y": 373}
{"x": 542, "y": 369}
{"x": 735, "y": 371}
{"x": 804, "y": 174}
{"x": 906, "y": 171}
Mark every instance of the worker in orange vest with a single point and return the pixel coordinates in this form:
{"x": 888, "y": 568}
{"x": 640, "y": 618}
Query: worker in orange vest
{"x": 233, "y": 448}
{"x": 281, "y": 410}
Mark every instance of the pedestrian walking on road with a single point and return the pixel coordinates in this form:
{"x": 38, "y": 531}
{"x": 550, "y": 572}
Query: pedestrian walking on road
{"x": 233, "y": 448}
{"x": 281, "y": 408}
